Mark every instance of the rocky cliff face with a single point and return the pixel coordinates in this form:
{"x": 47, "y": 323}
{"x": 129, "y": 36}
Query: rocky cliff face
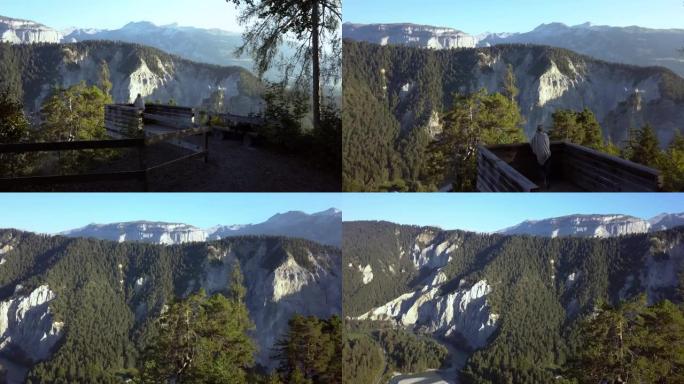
{"x": 630, "y": 45}
{"x": 323, "y": 227}
{"x": 549, "y": 79}
{"x": 18, "y": 31}
{"x": 422, "y": 36}
{"x": 600, "y": 226}
{"x": 143, "y": 231}
{"x": 27, "y": 326}
{"x": 138, "y": 70}
{"x": 276, "y": 289}
{"x": 282, "y": 277}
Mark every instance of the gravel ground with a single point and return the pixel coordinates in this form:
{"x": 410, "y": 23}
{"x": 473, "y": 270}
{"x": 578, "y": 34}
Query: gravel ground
{"x": 232, "y": 167}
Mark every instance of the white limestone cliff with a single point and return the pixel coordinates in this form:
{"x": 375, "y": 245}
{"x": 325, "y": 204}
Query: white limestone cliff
{"x": 27, "y": 324}
{"x": 18, "y": 31}
{"x": 464, "y": 312}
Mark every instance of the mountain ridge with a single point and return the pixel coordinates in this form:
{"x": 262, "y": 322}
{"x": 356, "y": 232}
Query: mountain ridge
{"x": 323, "y": 227}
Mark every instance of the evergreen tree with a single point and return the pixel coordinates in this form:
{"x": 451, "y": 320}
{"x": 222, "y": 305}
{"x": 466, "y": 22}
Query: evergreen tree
{"x": 104, "y": 79}
{"x": 201, "y": 339}
{"x": 510, "y": 88}
{"x": 643, "y": 148}
{"x": 14, "y": 128}
{"x": 480, "y": 118}
{"x": 311, "y": 23}
{"x": 632, "y": 343}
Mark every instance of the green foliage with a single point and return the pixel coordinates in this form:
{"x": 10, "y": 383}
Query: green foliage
{"x": 672, "y": 164}
{"x": 480, "y": 118}
{"x": 537, "y": 301}
{"x": 14, "y": 128}
{"x": 577, "y": 127}
{"x": 201, "y": 339}
{"x": 109, "y": 318}
{"x": 633, "y": 342}
{"x": 375, "y": 350}
{"x": 104, "y": 81}
{"x": 643, "y": 146}
{"x": 362, "y": 359}
{"x": 310, "y": 351}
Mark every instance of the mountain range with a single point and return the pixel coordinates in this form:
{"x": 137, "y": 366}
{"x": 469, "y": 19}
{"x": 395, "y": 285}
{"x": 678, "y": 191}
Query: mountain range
{"x": 211, "y": 46}
{"x": 503, "y": 300}
{"x": 598, "y": 226}
{"x": 81, "y": 309}
{"x": 32, "y": 70}
{"x": 628, "y": 45}
{"x": 323, "y": 227}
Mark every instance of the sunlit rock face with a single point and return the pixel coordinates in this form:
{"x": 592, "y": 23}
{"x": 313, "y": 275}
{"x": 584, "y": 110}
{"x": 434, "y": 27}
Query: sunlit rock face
{"x": 422, "y": 36}
{"x": 464, "y": 312}
{"x": 18, "y": 31}
{"x": 600, "y": 226}
{"x": 278, "y": 285}
{"x": 143, "y": 231}
{"x": 27, "y": 324}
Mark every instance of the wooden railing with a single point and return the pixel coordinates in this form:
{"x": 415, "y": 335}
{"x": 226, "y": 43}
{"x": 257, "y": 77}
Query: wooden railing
{"x": 510, "y": 168}
{"x": 15, "y": 182}
{"x": 121, "y": 121}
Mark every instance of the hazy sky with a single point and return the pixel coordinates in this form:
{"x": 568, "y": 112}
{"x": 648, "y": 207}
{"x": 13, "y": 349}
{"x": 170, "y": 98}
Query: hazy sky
{"x": 491, "y": 212}
{"x": 56, "y": 212}
{"x": 103, "y": 14}
{"x": 477, "y": 16}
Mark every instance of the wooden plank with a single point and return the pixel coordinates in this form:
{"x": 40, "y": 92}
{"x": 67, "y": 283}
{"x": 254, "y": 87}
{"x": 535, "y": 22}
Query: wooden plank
{"x": 6, "y": 184}
{"x": 615, "y": 171}
{"x": 70, "y": 145}
{"x": 640, "y": 169}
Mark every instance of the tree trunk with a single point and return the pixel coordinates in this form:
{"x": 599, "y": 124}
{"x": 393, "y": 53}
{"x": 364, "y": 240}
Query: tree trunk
{"x": 316, "y": 65}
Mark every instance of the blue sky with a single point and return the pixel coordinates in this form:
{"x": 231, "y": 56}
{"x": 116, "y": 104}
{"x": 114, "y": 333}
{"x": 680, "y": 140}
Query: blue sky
{"x": 477, "y": 16}
{"x": 491, "y": 212}
{"x": 55, "y": 212}
{"x": 101, "y": 14}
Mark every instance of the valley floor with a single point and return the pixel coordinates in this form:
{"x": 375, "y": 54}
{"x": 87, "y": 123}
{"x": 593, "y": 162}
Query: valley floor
{"x": 232, "y": 167}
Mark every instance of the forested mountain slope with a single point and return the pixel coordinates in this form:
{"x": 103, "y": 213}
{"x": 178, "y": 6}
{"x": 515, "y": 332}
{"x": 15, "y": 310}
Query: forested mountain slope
{"x": 97, "y": 300}
{"x": 32, "y": 70}
{"x": 395, "y": 97}
{"x": 513, "y": 301}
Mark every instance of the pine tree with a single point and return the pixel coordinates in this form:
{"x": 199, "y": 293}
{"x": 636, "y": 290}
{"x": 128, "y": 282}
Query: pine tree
{"x": 104, "y": 79}
{"x": 644, "y": 148}
{"x": 510, "y": 88}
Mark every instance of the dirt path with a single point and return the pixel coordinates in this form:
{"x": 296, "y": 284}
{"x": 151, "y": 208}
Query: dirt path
{"x": 232, "y": 167}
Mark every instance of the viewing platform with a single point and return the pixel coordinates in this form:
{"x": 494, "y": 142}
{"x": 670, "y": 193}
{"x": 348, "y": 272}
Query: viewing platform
{"x": 574, "y": 168}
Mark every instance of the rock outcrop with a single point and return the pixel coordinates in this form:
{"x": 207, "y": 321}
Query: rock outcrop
{"x": 600, "y": 226}
{"x": 423, "y": 36}
{"x": 143, "y": 231}
{"x": 27, "y": 326}
{"x": 17, "y": 31}
{"x": 463, "y": 313}
{"x": 277, "y": 289}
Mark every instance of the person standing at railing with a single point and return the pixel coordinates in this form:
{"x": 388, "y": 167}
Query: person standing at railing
{"x": 139, "y": 103}
{"x": 542, "y": 149}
